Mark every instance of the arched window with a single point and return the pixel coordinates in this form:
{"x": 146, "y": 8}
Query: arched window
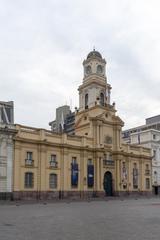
{"x": 53, "y": 180}
{"x": 29, "y": 180}
{"x": 86, "y": 101}
{"x": 102, "y": 99}
{"x": 99, "y": 69}
{"x": 88, "y": 70}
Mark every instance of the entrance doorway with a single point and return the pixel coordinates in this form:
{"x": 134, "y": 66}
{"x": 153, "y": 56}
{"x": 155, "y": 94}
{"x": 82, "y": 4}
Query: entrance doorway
{"x": 107, "y": 183}
{"x": 156, "y": 190}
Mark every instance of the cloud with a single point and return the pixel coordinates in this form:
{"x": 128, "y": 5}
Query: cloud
{"x": 43, "y": 44}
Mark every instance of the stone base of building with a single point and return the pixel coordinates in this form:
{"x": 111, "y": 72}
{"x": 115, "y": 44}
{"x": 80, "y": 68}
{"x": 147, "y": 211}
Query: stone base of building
{"x": 133, "y": 193}
{"x": 35, "y": 195}
{"x": 56, "y": 195}
{"x": 82, "y": 194}
{"x": 6, "y": 196}
{"x": 73, "y": 195}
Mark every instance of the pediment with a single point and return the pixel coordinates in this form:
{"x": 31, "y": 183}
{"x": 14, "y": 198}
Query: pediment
{"x": 82, "y": 120}
{"x": 105, "y": 116}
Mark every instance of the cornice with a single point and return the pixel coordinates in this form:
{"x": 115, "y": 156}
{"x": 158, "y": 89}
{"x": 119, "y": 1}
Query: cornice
{"x": 46, "y": 143}
{"x": 98, "y": 81}
{"x": 108, "y": 108}
{"x": 133, "y": 155}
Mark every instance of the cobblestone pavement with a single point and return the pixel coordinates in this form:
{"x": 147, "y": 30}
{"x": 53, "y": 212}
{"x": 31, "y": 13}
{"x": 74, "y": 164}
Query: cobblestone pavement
{"x": 97, "y": 220}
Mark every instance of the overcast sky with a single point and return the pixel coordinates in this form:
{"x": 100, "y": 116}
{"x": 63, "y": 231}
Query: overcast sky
{"x": 43, "y": 45}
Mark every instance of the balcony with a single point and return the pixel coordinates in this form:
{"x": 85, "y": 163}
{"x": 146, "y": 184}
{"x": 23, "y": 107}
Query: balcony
{"x": 53, "y": 164}
{"x": 108, "y": 162}
{"x": 147, "y": 172}
{"x": 29, "y": 162}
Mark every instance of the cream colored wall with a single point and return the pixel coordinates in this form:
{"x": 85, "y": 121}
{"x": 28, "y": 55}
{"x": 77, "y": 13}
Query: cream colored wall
{"x": 41, "y": 156}
{"x": 19, "y": 165}
{"x": 78, "y": 147}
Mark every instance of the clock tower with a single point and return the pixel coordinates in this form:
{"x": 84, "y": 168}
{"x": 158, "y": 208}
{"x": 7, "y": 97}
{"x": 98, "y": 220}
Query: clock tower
{"x": 94, "y": 89}
{"x": 96, "y": 117}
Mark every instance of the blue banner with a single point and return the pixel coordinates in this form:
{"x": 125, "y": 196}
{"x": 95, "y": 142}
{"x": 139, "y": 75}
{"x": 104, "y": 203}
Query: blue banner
{"x": 74, "y": 174}
{"x": 90, "y": 175}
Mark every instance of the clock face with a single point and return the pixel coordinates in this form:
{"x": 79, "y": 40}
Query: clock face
{"x": 88, "y": 69}
{"x": 99, "y": 69}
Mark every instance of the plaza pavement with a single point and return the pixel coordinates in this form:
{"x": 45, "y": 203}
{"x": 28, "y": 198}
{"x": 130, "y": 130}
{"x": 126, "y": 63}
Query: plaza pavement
{"x": 120, "y": 219}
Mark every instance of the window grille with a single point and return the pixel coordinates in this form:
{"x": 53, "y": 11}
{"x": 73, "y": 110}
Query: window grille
{"x": 53, "y": 180}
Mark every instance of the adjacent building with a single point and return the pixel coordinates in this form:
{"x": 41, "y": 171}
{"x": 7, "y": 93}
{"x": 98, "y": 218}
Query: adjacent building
{"x": 64, "y": 122}
{"x": 148, "y": 135}
{"x": 151, "y": 123}
{"x": 92, "y": 162}
{"x": 7, "y": 131}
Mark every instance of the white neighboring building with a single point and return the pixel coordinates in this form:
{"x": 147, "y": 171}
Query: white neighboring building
{"x": 7, "y": 131}
{"x": 148, "y": 136}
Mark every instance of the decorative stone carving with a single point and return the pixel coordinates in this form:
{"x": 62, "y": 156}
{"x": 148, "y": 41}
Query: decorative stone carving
{"x": 108, "y": 139}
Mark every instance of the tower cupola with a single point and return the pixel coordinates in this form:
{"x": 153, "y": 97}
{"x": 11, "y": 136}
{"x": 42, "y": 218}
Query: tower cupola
{"x": 94, "y": 53}
{"x": 94, "y": 64}
{"x": 94, "y": 90}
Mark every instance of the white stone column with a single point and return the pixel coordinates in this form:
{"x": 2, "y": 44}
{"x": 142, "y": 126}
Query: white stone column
{"x": 3, "y": 163}
{"x": 9, "y": 165}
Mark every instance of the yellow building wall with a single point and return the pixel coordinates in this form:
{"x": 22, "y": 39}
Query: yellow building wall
{"x": 43, "y": 144}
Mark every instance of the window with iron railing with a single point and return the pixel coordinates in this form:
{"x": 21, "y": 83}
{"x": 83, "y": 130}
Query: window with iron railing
{"x": 53, "y": 161}
{"x": 147, "y": 170}
{"x": 108, "y": 161}
{"x": 29, "y": 160}
{"x": 74, "y": 160}
{"x": 90, "y": 161}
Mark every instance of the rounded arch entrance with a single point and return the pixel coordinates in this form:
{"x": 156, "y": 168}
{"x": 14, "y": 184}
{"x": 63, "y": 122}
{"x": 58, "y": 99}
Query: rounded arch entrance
{"x": 107, "y": 183}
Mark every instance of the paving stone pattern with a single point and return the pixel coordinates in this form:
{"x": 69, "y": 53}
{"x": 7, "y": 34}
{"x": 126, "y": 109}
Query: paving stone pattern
{"x": 127, "y": 219}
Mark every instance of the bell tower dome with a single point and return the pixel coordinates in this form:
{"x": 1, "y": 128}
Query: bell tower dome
{"x": 94, "y": 89}
{"x": 94, "y": 64}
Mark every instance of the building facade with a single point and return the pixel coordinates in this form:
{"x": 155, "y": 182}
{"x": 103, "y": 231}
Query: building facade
{"x": 148, "y": 136}
{"x": 93, "y": 162}
{"x": 151, "y": 123}
{"x": 7, "y": 131}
